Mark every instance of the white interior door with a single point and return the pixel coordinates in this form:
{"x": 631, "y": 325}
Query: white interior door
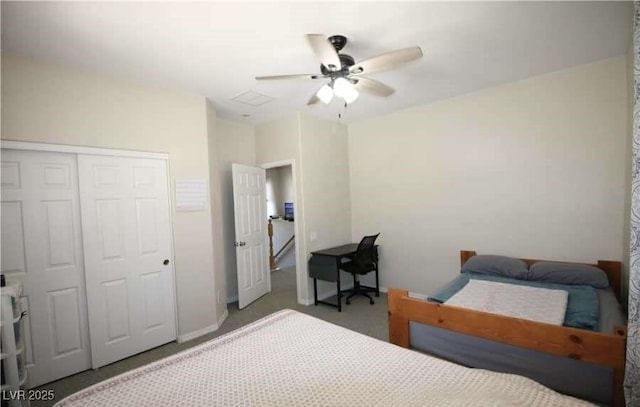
{"x": 252, "y": 246}
{"x": 127, "y": 245}
{"x": 42, "y": 247}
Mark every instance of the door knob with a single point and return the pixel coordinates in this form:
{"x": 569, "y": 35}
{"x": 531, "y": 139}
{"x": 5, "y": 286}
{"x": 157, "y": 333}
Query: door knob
{"x": 166, "y": 262}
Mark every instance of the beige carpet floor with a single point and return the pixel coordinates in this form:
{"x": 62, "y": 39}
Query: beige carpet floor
{"x": 360, "y": 316}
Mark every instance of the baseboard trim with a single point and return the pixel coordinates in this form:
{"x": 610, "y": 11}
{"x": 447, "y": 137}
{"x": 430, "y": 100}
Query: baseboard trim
{"x": 305, "y": 301}
{"x": 198, "y": 333}
{"x": 204, "y": 331}
{"x": 223, "y": 318}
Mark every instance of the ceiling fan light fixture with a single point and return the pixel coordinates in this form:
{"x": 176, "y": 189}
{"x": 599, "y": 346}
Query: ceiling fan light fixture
{"x": 341, "y": 87}
{"x": 344, "y": 88}
{"x": 351, "y": 95}
{"x": 325, "y": 94}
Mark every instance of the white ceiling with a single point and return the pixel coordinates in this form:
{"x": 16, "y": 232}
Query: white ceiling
{"x": 216, "y": 49}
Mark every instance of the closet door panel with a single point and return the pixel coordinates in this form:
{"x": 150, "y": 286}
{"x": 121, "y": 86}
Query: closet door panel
{"x": 127, "y": 238}
{"x": 65, "y": 329}
{"x": 42, "y": 247}
{"x": 58, "y": 217}
{"x": 13, "y": 245}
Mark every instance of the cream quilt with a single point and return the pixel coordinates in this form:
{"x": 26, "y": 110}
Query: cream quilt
{"x": 292, "y": 359}
{"x": 518, "y": 301}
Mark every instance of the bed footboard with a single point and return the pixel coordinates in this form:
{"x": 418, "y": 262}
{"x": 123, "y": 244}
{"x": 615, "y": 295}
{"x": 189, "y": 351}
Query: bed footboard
{"x": 588, "y": 346}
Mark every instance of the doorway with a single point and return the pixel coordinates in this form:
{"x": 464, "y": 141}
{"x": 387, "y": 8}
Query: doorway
{"x": 281, "y": 215}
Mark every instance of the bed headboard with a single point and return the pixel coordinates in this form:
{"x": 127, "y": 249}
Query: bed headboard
{"x": 613, "y": 269}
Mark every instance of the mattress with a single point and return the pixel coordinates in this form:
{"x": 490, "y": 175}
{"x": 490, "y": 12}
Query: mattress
{"x": 516, "y": 301}
{"x": 292, "y": 359}
{"x": 582, "y": 306}
{"x": 580, "y": 379}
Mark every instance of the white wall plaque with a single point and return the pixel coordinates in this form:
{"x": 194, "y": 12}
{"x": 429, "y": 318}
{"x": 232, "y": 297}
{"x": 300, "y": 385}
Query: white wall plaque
{"x": 192, "y": 194}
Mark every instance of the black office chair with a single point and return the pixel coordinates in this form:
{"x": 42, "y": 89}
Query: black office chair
{"x": 363, "y": 262}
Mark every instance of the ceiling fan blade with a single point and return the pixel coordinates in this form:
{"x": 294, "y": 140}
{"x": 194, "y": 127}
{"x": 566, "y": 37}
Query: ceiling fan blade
{"x": 278, "y": 77}
{"x": 373, "y": 87}
{"x": 325, "y": 51}
{"x": 386, "y": 61}
{"x": 314, "y": 100}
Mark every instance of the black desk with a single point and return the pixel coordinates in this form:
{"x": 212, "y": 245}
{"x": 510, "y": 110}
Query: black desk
{"x": 325, "y": 265}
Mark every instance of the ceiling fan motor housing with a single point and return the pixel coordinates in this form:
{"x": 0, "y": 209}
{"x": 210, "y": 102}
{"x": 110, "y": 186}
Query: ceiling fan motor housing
{"x": 345, "y": 60}
{"x": 338, "y": 42}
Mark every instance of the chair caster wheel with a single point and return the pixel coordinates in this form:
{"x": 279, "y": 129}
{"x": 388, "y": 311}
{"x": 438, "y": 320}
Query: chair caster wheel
{"x": 348, "y": 302}
{"x": 371, "y": 302}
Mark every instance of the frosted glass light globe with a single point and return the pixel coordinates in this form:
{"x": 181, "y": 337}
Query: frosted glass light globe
{"x": 325, "y": 94}
{"x": 341, "y": 87}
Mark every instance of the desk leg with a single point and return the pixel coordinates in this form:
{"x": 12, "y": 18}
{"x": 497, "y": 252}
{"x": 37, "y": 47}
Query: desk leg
{"x": 315, "y": 292}
{"x": 339, "y": 296}
{"x": 339, "y": 293}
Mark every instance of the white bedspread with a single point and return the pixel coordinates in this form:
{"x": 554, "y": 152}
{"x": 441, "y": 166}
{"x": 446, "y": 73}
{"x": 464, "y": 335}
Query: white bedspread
{"x": 532, "y": 303}
{"x": 292, "y": 359}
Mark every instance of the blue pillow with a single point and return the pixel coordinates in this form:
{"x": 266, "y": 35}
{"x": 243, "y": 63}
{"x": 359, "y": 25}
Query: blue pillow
{"x": 496, "y": 266}
{"x": 570, "y": 274}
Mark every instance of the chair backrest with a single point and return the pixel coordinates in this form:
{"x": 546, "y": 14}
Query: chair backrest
{"x": 366, "y": 255}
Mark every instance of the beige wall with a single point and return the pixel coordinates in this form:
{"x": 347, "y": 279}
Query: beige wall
{"x": 626, "y": 258}
{"x": 235, "y": 144}
{"x": 321, "y": 176}
{"x": 325, "y": 180}
{"x": 282, "y": 184}
{"x": 286, "y": 180}
{"x": 53, "y": 104}
{"x": 325, "y": 169}
{"x": 533, "y": 168}
{"x": 279, "y": 141}
{"x": 273, "y": 192}
{"x": 216, "y": 182}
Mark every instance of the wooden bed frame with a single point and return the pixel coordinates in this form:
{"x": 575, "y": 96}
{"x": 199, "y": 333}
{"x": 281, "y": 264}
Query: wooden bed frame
{"x": 594, "y": 347}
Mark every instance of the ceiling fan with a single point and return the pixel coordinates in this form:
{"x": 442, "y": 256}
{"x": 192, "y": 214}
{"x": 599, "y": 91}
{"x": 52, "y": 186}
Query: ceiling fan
{"x": 344, "y": 74}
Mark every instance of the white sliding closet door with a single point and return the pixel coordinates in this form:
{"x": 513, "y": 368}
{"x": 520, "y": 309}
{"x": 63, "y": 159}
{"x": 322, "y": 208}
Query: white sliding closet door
{"x": 127, "y": 245}
{"x": 42, "y": 247}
